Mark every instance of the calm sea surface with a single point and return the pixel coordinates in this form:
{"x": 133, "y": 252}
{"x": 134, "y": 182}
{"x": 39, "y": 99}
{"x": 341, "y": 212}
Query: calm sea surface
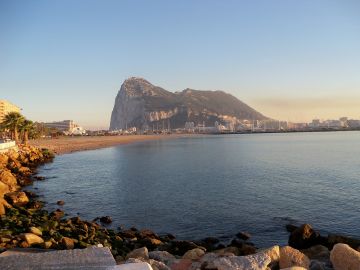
{"x": 216, "y": 185}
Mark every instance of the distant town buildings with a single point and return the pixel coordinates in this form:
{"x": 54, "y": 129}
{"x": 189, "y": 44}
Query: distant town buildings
{"x": 270, "y": 125}
{"x": 190, "y": 127}
{"x": 66, "y": 126}
{"x": 7, "y": 107}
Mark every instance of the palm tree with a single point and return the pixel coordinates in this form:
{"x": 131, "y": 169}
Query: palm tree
{"x": 12, "y": 122}
{"x": 26, "y": 127}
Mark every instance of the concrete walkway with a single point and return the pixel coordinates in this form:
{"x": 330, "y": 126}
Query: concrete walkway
{"x": 89, "y": 258}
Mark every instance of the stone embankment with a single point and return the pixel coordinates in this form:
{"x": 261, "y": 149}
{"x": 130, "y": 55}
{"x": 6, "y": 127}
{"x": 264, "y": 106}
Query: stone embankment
{"x": 24, "y": 224}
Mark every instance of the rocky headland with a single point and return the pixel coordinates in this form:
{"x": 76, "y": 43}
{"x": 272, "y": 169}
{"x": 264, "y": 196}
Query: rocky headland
{"x": 143, "y": 105}
{"x": 24, "y": 223}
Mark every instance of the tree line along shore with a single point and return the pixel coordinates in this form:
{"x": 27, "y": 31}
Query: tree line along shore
{"x": 24, "y": 223}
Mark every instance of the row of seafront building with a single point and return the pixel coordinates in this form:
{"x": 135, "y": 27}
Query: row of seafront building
{"x": 245, "y": 126}
{"x": 272, "y": 126}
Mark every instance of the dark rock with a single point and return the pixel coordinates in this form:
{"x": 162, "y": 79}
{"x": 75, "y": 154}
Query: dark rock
{"x": 106, "y": 219}
{"x": 220, "y": 246}
{"x": 31, "y": 194}
{"x": 334, "y": 239}
{"x": 247, "y": 250}
{"x": 60, "y": 202}
{"x": 67, "y": 243}
{"x": 147, "y": 234}
{"x": 317, "y": 265}
{"x": 304, "y": 237}
{"x": 167, "y": 237}
{"x": 35, "y": 205}
{"x": 243, "y": 235}
{"x": 210, "y": 243}
{"x": 237, "y": 243}
{"x": 227, "y": 250}
{"x": 290, "y": 227}
{"x": 57, "y": 214}
{"x": 180, "y": 247}
{"x": 24, "y": 181}
{"x": 150, "y": 243}
{"x": 170, "y": 236}
{"x": 17, "y": 198}
{"x": 75, "y": 220}
{"x": 210, "y": 240}
{"x": 127, "y": 234}
{"x": 318, "y": 252}
{"x": 39, "y": 178}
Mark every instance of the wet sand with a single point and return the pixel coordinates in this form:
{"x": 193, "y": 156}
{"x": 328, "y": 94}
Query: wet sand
{"x": 63, "y": 145}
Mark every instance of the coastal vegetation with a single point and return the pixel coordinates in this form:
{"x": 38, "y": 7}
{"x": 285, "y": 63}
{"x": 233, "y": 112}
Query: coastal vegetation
{"x": 20, "y": 129}
{"x": 12, "y": 123}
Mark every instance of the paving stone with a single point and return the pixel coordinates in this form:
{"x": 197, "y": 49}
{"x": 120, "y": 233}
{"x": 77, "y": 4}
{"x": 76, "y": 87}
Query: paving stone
{"x": 80, "y": 259}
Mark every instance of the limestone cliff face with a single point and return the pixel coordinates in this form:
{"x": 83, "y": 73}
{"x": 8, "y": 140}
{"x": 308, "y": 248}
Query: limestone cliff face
{"x": 139, "y": 103}
{"x": 143, "y": 105}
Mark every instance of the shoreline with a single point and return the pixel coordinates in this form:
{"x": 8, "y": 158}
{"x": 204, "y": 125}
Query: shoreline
{"x": 70, "y": 144}
{"x": 66, "y": 145}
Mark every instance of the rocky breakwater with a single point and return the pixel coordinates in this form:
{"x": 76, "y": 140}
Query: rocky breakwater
{"x": 16, "y": 169}
{"x": 307, "y": 249}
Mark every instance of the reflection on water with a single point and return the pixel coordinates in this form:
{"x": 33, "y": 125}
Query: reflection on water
{"x": 216, "y": 185}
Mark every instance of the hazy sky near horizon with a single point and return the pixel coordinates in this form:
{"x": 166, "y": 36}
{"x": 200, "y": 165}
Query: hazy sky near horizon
{"x": 291, "y": 60}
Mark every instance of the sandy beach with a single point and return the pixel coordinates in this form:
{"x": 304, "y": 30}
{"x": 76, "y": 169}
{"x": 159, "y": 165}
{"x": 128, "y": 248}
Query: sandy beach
{"x": 63, "y": 145}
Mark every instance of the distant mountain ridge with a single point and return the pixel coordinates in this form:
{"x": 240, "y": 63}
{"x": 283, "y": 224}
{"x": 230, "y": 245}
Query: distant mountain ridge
{"x": 141, "y": 104}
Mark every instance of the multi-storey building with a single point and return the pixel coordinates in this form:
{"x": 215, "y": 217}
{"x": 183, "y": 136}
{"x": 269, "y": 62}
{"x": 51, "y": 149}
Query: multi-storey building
{"x": 66, "y": 125}
{"x": 7, "y": 107}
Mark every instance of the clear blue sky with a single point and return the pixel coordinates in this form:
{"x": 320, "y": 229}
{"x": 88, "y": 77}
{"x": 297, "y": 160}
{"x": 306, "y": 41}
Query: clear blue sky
{"x": 291, "y": 60}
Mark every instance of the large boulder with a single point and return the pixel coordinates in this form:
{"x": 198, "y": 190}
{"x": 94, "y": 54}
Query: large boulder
{"x": 36, "y": 231}
{"x": 3, "y": 205}
{"x": 146, "y": 233}
{"x": 3, "y": 160}
{"x": 4, "y": 188}
{"x": 25, "y": 171}
{"x": 162, "y": 256}
{"x": 140, "y": 253}
{"x": 17, "y": 198}
{"x": 158, "y": 265}
{"x": 13, "y": 155}
{"x": 9, "y": 179}
{"x": 210, "y": 243}
{"x": 273, "y": 253}
{"x": 292, "y": 257}
{"x": 32, "y": 239}
{"x": 134, "y": 266}
{"x": 258, "y": 261}
{"x": 67, "y": 243}
{"x": 194, "y": 254}
{"x": 228, "y": 250}
{"x": 14, "y": 165}
{"x": 343, "y": 257}
{"x": 304, "y": 237}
